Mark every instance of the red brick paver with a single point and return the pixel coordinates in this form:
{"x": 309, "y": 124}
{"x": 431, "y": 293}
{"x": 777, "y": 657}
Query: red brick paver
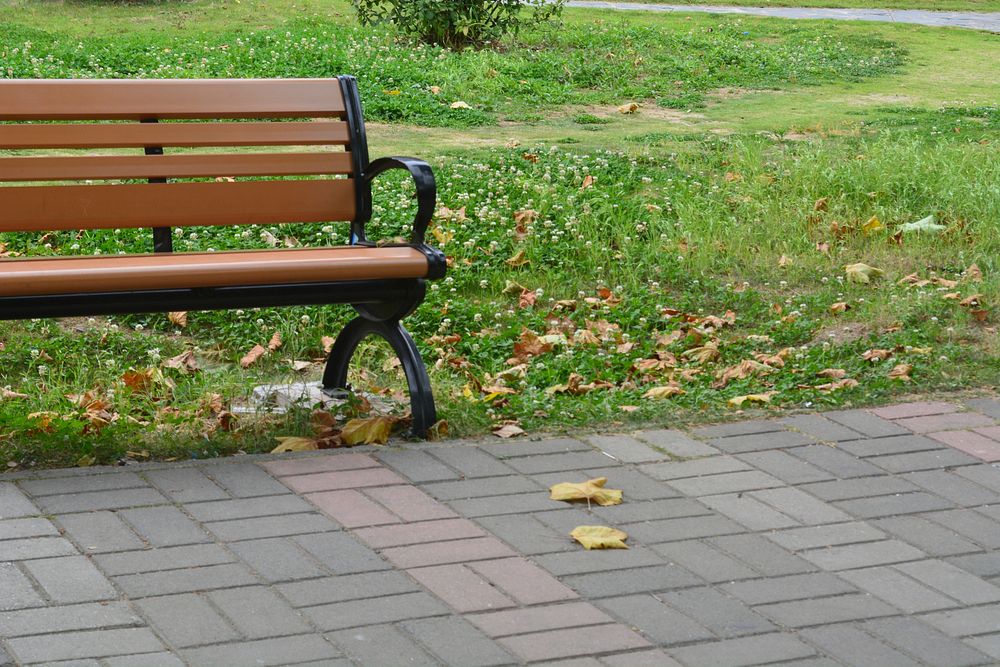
{"x": 918, "y": 409}
{"x": 975, "y": 444}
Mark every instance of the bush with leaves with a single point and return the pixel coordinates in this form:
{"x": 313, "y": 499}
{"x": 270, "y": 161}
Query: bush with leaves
{"x": 458, "y": 23}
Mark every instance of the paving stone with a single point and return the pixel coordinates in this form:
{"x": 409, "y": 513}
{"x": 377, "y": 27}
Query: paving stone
{"x": 352, "y": 509}
{"x": 637, "y": 580}
{"x": 347, "y": 479}
{"x": 538, "y": 619}
{"x": 984, "y": 475}
{"x": 161, "y": 659}
{"x": 417, "y": 466}
{"x": 244, "y": 480}
{"x": 382, "y": 645}
{"x": 854, "y": 647}
{"x": 677, "y": 444}
{"x": 324, "y": 462}
{"x": 531, "y": 465}
{"x": 524, "y": 581}
{"x": 705, "y": 561}
{"x": 800, "y": 505}
{"x": 572, "y": 642}
{"x": 649, "y": 510}
{"x": 263, "y": 652}
{"x": 952, "y": 581}
{"x": 99, "y": 532}
{"x": 867, "y": 554}
{"x": 863, "y": 487}
{"x": 927, "y": 536}
{"x": 168, "y": 558}
{"x": 441, "y": 553}
{"x": 506, "y": 450}
{"x": 896, "y": 444}
{"x": 564, "y": 520}
{"x": 821, "y": 428}
{"x": 341, "y": 553}
{"x": 82, "y": 484}
{"x": 45, "y": 620}
{"x": 410, "y": 503}
{"x": 684, "y": 528}
{"x": 763, "y": 649}
{"x": 457, "y": 642}
{"x": 762, "y": 555}
{"x": 982, "y": 565}
{"x": 270, "y": 526}
{"x": 247, "y": 508}
{"x": 738, "y": 428}
{"x": 186, "y": 485}
{"x": 973, "y": 444}
{"x": 713, "y": 465}
{"x": 988, "y": 644}
{"x": 87, "y": 644}
{"x": 930, "y": 460}
{"x": 662, "y": 623}
{"x": 527, "y": 534}
{"x": 187, "y": 620}
{"x": 785, "y": 467}
{"x": 380, "y": 537}
{"x": 100, "y": 500}
{"x": 723, "y": 615}
{"x": 733, "y": 482}
{"x": 581, "y": 561}
{"x": 987, "y": 406}
{"x": 953, "y": 487}
{"x": 35, "y": 547}
{"x": 637, "y": 485}
{"x": 898, "y": 590}
{"x": 12, "y": 529}
{"x": 812, "y": 537}
{"x": 17, "y": 589}
{"x": 70, "y": 579}
{"x": 992, "y": 432}
{"x": 518, "y": 503}
{"x": 749, "y": 511}
{"x": 278, "y": 559}
{"x": 627, "y": 449}
{"x": 865, "y": 423}
{"x": 945, "y": 422}
{"x": 258, "y": 612}
{"x": 902, "y": 503}
{"x": 461, "y": 588}
{"x": 471, "y": 462}
{"x": 185, "y": 580}
{"x": 476, "y": 488}
{"x": 372, "y": 611}
{"x": 965, "y": 622}
{"x": 915, "y": 409}
{"x": 785, "y": 589}
{"x": 346, "y": 587}
{"x": 925, "y": 643}
{"x": 5, "y": 660}
{"x": 812, "y": 662}
{"x": 164, "y": 526}
{"x": 759, "y": 441}
{"x": 977, "y": 526}
{"x": 836, "y": 461}
{"x": 647, "y": 658}
{"x": 821, "y": 611}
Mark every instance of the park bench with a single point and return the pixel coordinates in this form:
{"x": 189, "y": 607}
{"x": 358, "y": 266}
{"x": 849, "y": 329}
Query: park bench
{"x": 159, "y": 188}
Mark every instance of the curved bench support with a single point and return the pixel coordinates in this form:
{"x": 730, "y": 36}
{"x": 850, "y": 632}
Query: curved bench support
{"x": 421, "y": 399}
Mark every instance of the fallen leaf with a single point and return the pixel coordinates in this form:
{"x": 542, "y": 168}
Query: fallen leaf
{"x": 971, "y": 301}
{"x": 519, "y": 259}
{"x": 508, "y": 431}
{"x": 435, "y": 90}
{"x": 737, "y": 401}
{"x": 785, "y": 261}
{"x": 327, "y": 343}
{"x": 861, "y": 273}
{"x": 178, "y": 318}
{"x": 301, "y": 366}
{"x": 459, "y": 104}
{"x": 840, "y": 307}
{"x": 185, "y": 362}
{"x": 591, "y": 490}
{"x": 846, "y": 383}
{"x": 665, "y": 391}
{"x": 901, "y": 372}
{"x": 371, "y": 431}
{"x": 873, "y": 225}
{"x": 704, "y": 354}
{"x": 275, "y": 342}
{"x": 7, "y": 393}
{"x": 294, "y": 444}
{"x": 253, "y": 356}
{"x": 438, "y": 430}
{"x": 925, "y": 225}
{"x": 631, "y": 107}
{"x": 599, "y": 537}
{"x": 974, "y": 274}
{"x": 821, "y": 204}
{"x": 587, "y": 182}
{"x": 832, "y": 373}
{"x": 876, "y": 355}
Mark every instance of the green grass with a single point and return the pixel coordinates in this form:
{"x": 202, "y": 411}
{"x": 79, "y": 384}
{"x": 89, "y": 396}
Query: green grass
{"x": 692, "y": 215}
{"x": 933, "y": 5}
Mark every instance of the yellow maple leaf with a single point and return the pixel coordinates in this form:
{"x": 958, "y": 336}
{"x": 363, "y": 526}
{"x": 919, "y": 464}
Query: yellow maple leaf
{"x": 666, "y": 391}
{"x": 518, "y": 259}
{"x": 294, "y": 443}
{"x": 631, "y": 107}
{"x": 873, "y": 225}
{"x": 599, "y": 537}
{"x": 371, "y": 431}
{"x": 591, "y": 490}
{"x": 737, "y": 401}
{"x": 861, "y": 272}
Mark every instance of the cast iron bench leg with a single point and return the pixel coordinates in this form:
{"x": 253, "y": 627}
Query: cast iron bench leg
{"x": 421, "y": 398}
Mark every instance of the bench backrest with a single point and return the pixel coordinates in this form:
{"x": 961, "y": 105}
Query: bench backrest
{"x": 154, "y": 116}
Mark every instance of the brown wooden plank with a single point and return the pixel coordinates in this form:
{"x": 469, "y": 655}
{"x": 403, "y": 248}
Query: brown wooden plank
{"x": 103, "y": 167}
{"x": 181, "y": 135}
{"x": 51, "y": 207}
{"x": 104, "y": 99}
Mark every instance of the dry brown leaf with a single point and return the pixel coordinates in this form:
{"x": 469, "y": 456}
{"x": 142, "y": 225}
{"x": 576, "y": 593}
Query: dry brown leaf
{"x": 185, "y": 362}
{"x": 832, "y": 373}
{"x": 178, "y": 318}
{"x": 629, "y": 108}
{"x": 873, "y": 225}
{"x": 275, "y": 342}
{"x": 665, "y": 391}
{"x": 591, "y": 491}
{"x": 846, "y": 383}
{"x": 840, "y": 307}
{"x": 971, "y": 301}
{"x": 821, "y": 204}
{"x": 599, "y": 537}
{"x": 587, "y": 182}
{"x": 901, "y": 372}
{"x": 876, "y": 355}
{"x": 370, "y": 431}
{"x": 6, "y": 392}
{"x": 519, "y": 259}
{"x": 438, "y": 430}
{"x": 704, "y": 354}
{"x": 253, "y": 356}
{"x": 737, "y": 401}
{"x": 294, "y": 444}
{"x": 974, "y": 274}
{"x": 508, "y": 431}
{"x": 861, "y": 273}
{"x": 327, "y": 343}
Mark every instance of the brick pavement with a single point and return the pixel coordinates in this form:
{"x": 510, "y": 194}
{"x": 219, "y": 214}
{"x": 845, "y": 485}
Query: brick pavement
{"x": 845, "y": 538}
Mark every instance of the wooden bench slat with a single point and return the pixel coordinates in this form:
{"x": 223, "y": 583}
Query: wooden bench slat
{"x": 181, "y": 135}
{"x": 65, "y": 275}
{"x": 104, "y": 167}
{"x": 53, "y": 207}
{"x": 106, "y": 99}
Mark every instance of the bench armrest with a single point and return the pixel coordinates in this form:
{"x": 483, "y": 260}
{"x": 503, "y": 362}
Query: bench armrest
{"x": 423, "y": 178}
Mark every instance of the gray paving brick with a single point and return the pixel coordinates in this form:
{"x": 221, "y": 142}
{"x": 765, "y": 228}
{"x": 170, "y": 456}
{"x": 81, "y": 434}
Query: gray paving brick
{"x": 898, "y": 590}
{"x": 186, "y": 485}
{"x": 471, "y": 462}
{"x": 417, "y": 466}
{"x": 733, "y": 482}
{"x": 978, "y": 526}
{"x": 867, "y": 554}
{"x": 760, "y": 650}
{"x": 539, "y": 618}
{"x": 785, "y": 589}
{"x": 760, "y": 441}
{"x": 812, "y": 537}
{"x": 12, "y": 529}
{"x": 382, "y": 645}
{"x": 863, "y": 487}
{"x": 762, "y": 555}
{"x": 476, "y": 488}
{"x": 346, "y": 587}
{"x": 517, "y": 503}
{"x": 167, "y": 558}
{"x": 655, "y": 620}
{"x": 719, "y": 613}
{"x": 821, "y": 611}
{"x": 627, "y": 449}
{"x": 985, "y": 475}
{"x": 903, "y": 503}
{"x": 101, "y": 500}
{"x": 246, "y": 508}
{"x": 86, "y": 644}
{"x": 638, "y": 580}
{"x": 748, "y": 511}
{"x": 244, "y": 480}
{"x": 564, "y": 520}
{"x": 45, "y": 620}
{"x": 271, "y": 526}
{"x": 952, "y": 581}
{"x": 531, "y": 465}
{"x": 738, "y": 428}
{"x": 684, "y": 528}
{"x": 457, "y": 642}
{"x": 263, "y": 652}
{"x": 185, "y": 580}
{"x": 35, "y": 547}
{"x": 988, "y": 644}
{"x": 677, "y": 444}
{"x": 930, "y": 460}
{"x": 924, "y": 642}
{"x": 866, "y": 423}
{"x": 161, "y": 659}
{"x": 987, "y": 406}
{"x": 5, "y": 659}
{"x": 821, "y": 428}
{"x": 927, "y": 536}
{"x": 17, "y": 589}
{"x": 187, "y": 620}
{"x": 70, "y": 579}
{"x": 897, "y": 444}
{"x": 82, "y": 484}
{"x": 800, "y": 505}
{"x": 341, "y": 553}
{"x": 854, "y": 647}
{"x": 258, "y": 612}
{"x": 580, "y": 562}
{"x": 836, "y": 461}
{"x": 278, "y": 559}
{"x": 705, "y": 561}
{"x": 637, "y": 485}
{"x": 526, "y": 534}
{"x": 982, "y": 565}
{"x": 812, "y": 662}
{"x": 713, "y": 465}
{"x": 649, "y": 510}
{"x": 953, "y": 487}
{"x": 785, "y": 467}
{"x": 506, "y": 450}
{"x": 647, "y": 658}
{"x": 164, "y": 526}
{"x": 14, "y": 504}
{"x": 372, "y": 611}
{"x": 965, "y": 622}
{"x": 99, "y": 532}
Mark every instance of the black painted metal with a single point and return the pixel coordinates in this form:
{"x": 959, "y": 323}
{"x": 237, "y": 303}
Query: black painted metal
{"x": 358, "y": 147}
{"x": 162, "y": 239}
{"x": 421, "y": 397}
{"x": 423, "y": 178}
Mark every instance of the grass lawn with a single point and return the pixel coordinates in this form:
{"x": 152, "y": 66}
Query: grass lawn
{"x": 608, "y": 268}
{"x": 932, "y": 5}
